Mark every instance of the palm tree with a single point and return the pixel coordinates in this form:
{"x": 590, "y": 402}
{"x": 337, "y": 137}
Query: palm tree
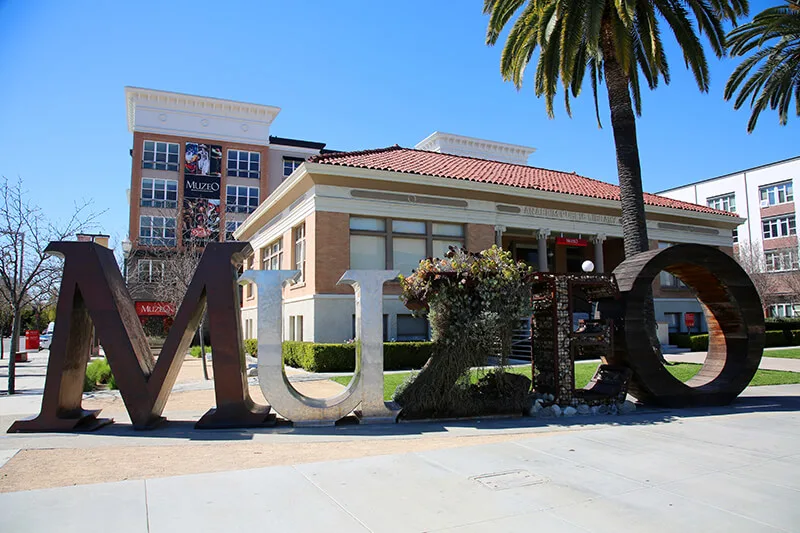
{"x": 613, "y": 40}
{"x": 777, "y": 75}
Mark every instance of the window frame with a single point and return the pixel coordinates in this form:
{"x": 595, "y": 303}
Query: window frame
{"x": 161, "y": 240}
{"x": 790, "y": 307}
{"x": 772, "y": 192}
{"x": 237, "y": 172}
{"x": 723, "y": 202}
{"x": 236, "y": 207}
{"x": 300, "y": 250}
{"x": 777, "y": 224}
{"x": 166, "y": 203}
{"x": 273, "y": 252}
{"x": 228, "y": 231}
{"x": 777, "y": 260}
{"x": 154, "y": 164}
{"x": 295, "y": 162}
{"x": 151, "y": 263}
{"x": 389, "y": 234}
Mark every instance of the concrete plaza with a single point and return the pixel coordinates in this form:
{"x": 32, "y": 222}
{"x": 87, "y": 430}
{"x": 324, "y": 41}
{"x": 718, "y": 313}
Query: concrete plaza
{"x": 735, "y": 468}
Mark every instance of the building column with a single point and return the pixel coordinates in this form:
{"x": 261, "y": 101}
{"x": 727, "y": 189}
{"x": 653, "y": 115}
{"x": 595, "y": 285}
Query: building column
{"x": 543, "y": 234}
{"x": 498, "y": 235}
{"x": 598, "y": 252}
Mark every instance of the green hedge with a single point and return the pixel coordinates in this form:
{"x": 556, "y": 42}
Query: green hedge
{"x": 316, "y": 357}
{"x": 776, "y": 338}
{"x": 98, "y": 372}
{"x": 699, "y": 343}
{"x": 796, "y": 337}
{"x": 251, "y": 347}
{"x": 782, "y": 324}
{"x": 681, "y": 340}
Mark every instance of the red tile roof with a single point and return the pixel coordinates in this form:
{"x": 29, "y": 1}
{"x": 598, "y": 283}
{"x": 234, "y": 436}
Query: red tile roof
{"x": 410, "y": 161}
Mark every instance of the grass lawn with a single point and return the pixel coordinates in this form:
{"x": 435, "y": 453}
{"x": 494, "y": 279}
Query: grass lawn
{"x": 585, "y": 371}
{"x": 792, "y": 353}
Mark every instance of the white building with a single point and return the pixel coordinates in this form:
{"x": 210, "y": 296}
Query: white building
{"x": 764, "y": 196}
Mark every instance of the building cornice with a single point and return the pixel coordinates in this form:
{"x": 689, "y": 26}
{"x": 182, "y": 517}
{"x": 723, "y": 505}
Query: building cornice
{"x": 449, "y": 143}
{"x": 168, "y": 113}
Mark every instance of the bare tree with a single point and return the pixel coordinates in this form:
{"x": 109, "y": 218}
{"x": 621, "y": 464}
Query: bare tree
{"x": 169, "y": 279}
{"x": 751, "y": 258}
{"x": 27, "y": 273}
{"x": 776, "y": 280}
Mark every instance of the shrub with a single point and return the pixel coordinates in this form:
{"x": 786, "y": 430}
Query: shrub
{"x": 194, "y": 351}
{"x": 98, "y": 372}
{"x": 781, "y": 324}
{"x": 251, "y": 347}
{"x": 681, "y": 340}
{"x": 699, "y": 343}
{"x": 796, "y": 337}
{"x": 317, "y": 357}
{"x": 775, "y": 338}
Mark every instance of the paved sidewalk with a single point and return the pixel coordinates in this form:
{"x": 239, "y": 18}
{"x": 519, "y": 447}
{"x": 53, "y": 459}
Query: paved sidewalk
{"x": 724, "y": 469}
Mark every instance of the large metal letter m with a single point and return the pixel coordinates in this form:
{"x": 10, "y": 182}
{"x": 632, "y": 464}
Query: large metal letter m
{"x": 94, "y": 293}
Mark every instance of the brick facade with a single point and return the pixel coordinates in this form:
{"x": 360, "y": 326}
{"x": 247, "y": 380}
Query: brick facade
{"x": 479, "y": 237}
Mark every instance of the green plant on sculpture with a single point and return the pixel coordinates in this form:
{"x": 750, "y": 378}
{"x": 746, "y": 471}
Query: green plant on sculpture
{"x": 472, "y": 301}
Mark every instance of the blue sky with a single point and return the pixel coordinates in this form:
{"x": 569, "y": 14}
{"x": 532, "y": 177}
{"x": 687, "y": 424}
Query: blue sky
{"x": 353, "y": 74}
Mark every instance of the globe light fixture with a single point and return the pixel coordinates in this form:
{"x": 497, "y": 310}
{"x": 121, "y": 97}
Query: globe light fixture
{"x": 587, "y": 266}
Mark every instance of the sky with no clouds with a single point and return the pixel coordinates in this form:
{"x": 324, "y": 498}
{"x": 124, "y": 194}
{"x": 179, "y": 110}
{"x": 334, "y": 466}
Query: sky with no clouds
{"x": 354, "y": 74}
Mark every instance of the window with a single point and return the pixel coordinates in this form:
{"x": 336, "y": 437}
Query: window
{"x": 250, "y": 262}
{"x": 230, "y": 227}
{"x": 385, "y": 328}
{"x": 244, "y": 164}
{"x": 160, "y": 155}
{"x": 395, "y": 244}
{"x": 272, "y": 256}
{"x": 784, "y": 310}
{"x": 296, "y": 328}
{"x": 673, "y": 322}
{"x": 780, "y": 260}
{"x": 735, "y": 235}
{"x": 159, "y": 193}
{"x": 782, "y": 226}
{"x": 726, "y": 202}
{"x": 157, "y": 231}
{"x": 241, "y": 199}
{"x": 779, "y": 193}
{"x": 300, "y": 250}
{"x": 668, "y": 280}
{"x": 290, "y": 164}
{"x": 150, "y": 271}
{"x": 410, "y": 328}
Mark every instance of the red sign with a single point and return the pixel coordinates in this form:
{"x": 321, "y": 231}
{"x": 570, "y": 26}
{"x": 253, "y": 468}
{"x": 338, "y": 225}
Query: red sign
{"x": 155, "y": 309}
{"x": 568, "y": 241}
{"x": 688, "y": 319}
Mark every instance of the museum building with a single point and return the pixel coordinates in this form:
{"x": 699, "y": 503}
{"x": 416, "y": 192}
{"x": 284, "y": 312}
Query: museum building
{"x": 390, "y": 207}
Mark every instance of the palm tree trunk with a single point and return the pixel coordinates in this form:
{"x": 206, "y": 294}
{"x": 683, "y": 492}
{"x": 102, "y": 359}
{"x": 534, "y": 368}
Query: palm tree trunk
{"x": 623, "y": 122}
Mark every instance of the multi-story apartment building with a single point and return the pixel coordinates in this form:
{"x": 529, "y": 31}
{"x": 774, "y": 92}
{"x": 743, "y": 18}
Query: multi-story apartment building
{"x": 199, "y": 167}
{"x": 767, "y": 242}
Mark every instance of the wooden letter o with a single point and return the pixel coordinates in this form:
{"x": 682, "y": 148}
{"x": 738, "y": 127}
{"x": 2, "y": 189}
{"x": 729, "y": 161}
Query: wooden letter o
{"x": 733, "y": 312}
